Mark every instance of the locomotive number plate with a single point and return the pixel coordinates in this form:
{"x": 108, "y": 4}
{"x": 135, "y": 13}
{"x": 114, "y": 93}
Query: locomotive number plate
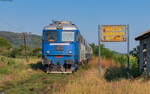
{"x": 59, "y": 56}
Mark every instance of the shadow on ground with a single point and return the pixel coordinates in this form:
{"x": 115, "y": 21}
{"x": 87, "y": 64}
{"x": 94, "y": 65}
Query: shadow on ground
{"x": 115, "y": 73}
{"x": 37, "y": 66}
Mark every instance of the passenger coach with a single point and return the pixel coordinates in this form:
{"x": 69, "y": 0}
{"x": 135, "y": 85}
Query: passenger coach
{"x": 63, "y": 48}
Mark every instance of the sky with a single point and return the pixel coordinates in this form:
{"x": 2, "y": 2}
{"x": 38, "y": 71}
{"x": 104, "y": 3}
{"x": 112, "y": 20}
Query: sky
{"x": 33, "y": 15}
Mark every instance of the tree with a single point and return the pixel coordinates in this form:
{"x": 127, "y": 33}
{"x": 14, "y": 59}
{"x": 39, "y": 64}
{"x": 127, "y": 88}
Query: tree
{"x": 135, "y": 52}
{"x": 4, "y": 43}
{"x": 96, "y": 48}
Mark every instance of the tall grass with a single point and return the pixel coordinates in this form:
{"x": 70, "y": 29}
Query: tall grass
{"x": 90, "y": 83}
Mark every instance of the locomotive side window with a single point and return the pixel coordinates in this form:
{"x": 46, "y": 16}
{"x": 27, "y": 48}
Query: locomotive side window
{"x": 51, "y": 36}
{"x": 68, "y": 36}
{"x": 77, "y": 36}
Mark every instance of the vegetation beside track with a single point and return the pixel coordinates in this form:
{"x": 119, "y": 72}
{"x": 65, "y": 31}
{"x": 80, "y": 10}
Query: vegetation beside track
{"x": 90, "y": 83}
{"x": 19, "y": 77}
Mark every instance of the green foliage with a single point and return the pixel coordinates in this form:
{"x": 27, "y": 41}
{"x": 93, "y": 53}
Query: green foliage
{"x": 5, "y": 70}
{"x": 134, "y": 67}
{"x": 105, "y": 52}
{"x": 134, "y": 62}
{"x": 4, "y": 44}
{"x": 114, "y": 73}
{"x": 36, "y": 52}
{"x": 11, "y": 62}
{"x": 3, "y": 59}
{"x": 121, "y": 59}
{"x": 135, "y": 53}
{"x": 20, "y": 52}
{"x": 14, "y": 52}
{"x": 96, "y": 48}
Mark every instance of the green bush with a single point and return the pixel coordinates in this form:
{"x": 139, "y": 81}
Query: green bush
{"x": 14, "y": 53}
{"x": 115, "y": 73}
{"x": 36, "y": 52}
{"x": 4, "y": 44}
{"x": 3, "y": 59}
{"x": 5, "y": 70}
{"x": 134, "y": 68}
{"x": 10, "y": 62}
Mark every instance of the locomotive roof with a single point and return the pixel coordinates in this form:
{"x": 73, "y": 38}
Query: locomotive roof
{"x": 64, "y": 25}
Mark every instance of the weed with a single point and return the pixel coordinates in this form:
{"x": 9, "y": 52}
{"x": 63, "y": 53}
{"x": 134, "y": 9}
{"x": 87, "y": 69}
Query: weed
{"x": 11, "y": 62}
{"x": 5, "y": 70}
{"x": 3, "y": 59}
{"x": 115, "y": 73}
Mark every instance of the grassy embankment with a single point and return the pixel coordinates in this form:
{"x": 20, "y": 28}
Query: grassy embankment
{"x": 18, "y": 77}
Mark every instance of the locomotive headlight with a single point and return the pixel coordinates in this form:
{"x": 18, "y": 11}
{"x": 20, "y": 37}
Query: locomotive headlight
{"x": 70, "y": 52}
{"x": 47, "y": 52}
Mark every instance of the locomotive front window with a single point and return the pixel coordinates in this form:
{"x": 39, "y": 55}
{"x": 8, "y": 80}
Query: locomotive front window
{"x": 51, "y": 36}
{"x": 68, "y": 36}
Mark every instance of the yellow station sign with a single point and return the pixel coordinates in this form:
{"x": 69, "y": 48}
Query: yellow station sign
{"x": 113, "y": 33}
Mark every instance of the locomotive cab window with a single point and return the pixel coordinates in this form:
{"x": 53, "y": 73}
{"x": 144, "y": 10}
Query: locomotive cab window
{"x": 51, "y": 36}
{"x": 68, "y": 36}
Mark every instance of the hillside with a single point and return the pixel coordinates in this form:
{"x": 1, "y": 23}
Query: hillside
{"x": 35, "y": 41}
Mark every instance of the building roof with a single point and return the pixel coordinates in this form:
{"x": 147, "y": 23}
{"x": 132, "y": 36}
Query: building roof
{"x": 143, "y": 36}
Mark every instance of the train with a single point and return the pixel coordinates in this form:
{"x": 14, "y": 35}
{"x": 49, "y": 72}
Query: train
{"x": 64, "y": 48}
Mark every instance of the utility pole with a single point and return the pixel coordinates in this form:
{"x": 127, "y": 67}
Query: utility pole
{"x": 24, "y": 36}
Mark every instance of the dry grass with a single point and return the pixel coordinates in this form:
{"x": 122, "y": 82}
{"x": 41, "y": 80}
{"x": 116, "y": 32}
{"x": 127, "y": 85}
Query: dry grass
{"x": 18, "y": 74}
{"x": 90, "y": 83}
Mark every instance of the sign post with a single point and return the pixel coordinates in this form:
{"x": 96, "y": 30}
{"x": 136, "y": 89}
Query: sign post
{"x": 114, "y": 33}
{"x": 128, "y": 50}
{"x": 99, "y": 60}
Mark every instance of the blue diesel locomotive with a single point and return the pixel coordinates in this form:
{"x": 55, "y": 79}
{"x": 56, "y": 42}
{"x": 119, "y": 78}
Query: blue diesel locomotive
{"x": 63, "y": 48}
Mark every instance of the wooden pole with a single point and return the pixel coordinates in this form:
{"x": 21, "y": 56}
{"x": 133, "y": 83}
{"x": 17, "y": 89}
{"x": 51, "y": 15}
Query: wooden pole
{"x": 24, "y": 37}
{"x": 25, "y": 47}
